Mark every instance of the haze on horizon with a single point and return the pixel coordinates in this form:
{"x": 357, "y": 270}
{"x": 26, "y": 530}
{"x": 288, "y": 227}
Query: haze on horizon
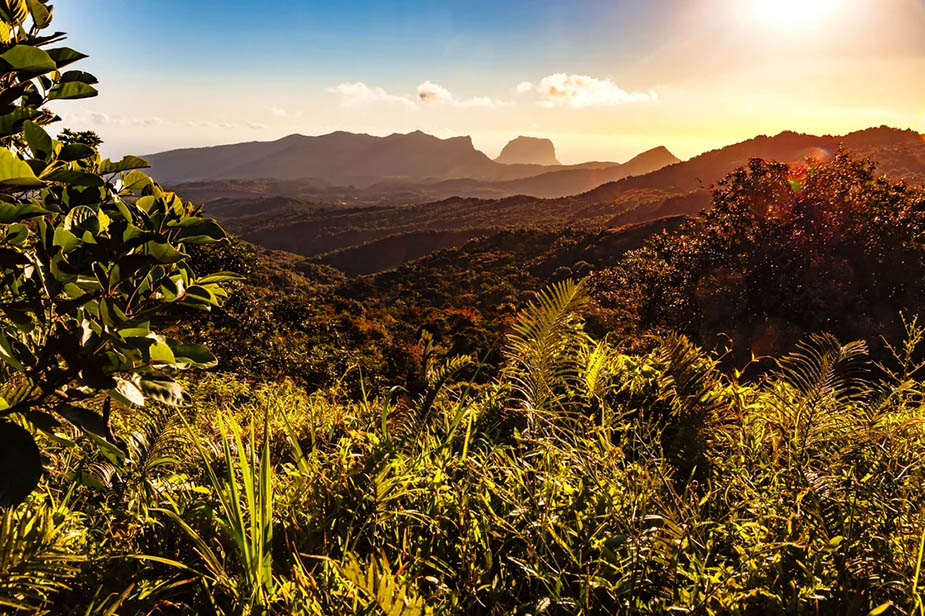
{"x": 603, "y": 80}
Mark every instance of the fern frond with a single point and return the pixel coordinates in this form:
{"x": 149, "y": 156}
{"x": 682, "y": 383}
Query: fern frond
{"x": 542, "y": 348}
{"x": 384, "y": 588}
{"x": 39, "y": 553}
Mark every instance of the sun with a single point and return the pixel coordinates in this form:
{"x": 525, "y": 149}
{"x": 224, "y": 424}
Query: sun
{"x": 792, "y": 13}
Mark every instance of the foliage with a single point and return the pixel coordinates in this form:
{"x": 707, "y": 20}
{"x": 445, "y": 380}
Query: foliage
{"x": 93, "y": 253}
{"x": 784, "y": 253}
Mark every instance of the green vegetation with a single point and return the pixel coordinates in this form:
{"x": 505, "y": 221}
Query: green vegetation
{"x": 91, "y": 258}
{"x": 448, "y": 437}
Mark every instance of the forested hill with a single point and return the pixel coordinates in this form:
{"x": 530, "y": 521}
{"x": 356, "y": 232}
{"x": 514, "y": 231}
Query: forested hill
{"x": 374, "y": 238}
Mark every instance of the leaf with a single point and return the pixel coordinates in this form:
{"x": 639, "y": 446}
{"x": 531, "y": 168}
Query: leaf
{"x": 16, "y": 234}
{"x": 40, "y": 14}
{"x": 29, "y": 59}
{"x": 126, "y": 164}
{"x": 136, "y": 181}
{"x": 38, "y": 140}
{"x": 65, "y": 239}
{"x": 20, "y": 464}
{"x": 62, "y": 56}
{"x": 13, "y": 213}
{"x": 75, "y": 151}
{"x": 80, "y": 76}
{"x": 219, "y": 277}
{"x": 161, "y": 353}
{"x": 195, "y": 355}
{"x": 74, "y": 178}
{"x": 164, "y": 252}
{"x": 12, "y": 122}
{"x": 6, "y": 353}
{"x": 72, "y": 90}
{"x": 128, "y": 391}
{"x": 880, "y": 609}
{"x": 199, "y": 231}
{"x": 164, "y": 390}
{"x": 16, "y": 172}
{"x": 85, "y": 419}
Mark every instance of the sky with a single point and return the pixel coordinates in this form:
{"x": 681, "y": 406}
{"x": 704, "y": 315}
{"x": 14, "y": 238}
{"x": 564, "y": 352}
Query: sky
{"x": 603, "y": 80}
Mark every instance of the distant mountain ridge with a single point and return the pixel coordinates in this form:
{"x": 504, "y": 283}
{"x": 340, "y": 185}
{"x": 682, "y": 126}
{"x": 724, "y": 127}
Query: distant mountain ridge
{"x": 397, "y": 162}
{"x": 352, "y": 237}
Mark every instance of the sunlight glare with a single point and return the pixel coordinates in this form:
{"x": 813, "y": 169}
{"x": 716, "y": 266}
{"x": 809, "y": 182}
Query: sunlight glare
{"x": 789, "y": 14}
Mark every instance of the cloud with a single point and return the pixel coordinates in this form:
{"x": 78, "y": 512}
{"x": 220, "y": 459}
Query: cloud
{"x": 559, "y": 90}
{"x": 101, "y": 118}
{"x": 359, "y": 93}
{"x": 279, "y": 112}
{"x": 429, "y": 92}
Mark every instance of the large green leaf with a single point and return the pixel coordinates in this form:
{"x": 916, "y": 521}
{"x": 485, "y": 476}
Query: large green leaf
{"x": 63, "y": 56}
{"x": 136, "y": 181}
{"x": 12, "y": 122}
{"x": 16, "y": 172}
{"x": 85, "y": 419}
{"x": 74, "y": 178}
{"x": 24, "y": 211}
{"x": 75, "y": 151}
{"x": 126, "y": 164}
{"x": 199, "y": 231}
{"x": 72, "y": 90}
{"x": 164, "y": 390}
{"x": 38, "y": 140}
{"x": 29, "y": 59}
{"x": 80, "y": 76}
{"x": 41, "y": 14}
{"x": 195, "y": 355}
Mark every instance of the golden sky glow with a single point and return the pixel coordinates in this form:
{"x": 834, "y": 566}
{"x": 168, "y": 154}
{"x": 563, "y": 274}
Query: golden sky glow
{"x": 604, "y": 80}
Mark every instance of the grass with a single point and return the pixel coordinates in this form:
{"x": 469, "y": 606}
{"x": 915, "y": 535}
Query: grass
{"x": 581, "y": 481}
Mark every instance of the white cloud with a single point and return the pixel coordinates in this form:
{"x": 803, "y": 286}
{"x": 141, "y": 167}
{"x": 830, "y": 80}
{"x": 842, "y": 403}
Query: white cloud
{"x": 279, "y": 112}
{"x": 524, "y": 86}
{"x": 358, "y": 93}
{"x": 559, "y": 90}
{"x": 429, "y": 92}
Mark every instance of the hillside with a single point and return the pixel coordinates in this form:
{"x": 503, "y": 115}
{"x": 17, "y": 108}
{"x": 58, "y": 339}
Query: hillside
{"x": 397, "y": 169}
{"x": 679, "y": 189}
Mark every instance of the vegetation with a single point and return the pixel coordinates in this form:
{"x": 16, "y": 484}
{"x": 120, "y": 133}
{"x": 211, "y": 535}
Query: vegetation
{"x": 447, "y": 438}
{"x": 785, "y": 252}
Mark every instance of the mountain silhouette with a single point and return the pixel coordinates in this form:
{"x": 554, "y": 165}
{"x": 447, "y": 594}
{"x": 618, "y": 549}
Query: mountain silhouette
{"x": 412, "y": 164}
{"x": 373, "y": 238}
{"x": 528, "y": 151}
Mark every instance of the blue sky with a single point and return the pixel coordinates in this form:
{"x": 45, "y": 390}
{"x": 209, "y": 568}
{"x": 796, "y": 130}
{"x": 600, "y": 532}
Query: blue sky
{"x": 603, "y": 79}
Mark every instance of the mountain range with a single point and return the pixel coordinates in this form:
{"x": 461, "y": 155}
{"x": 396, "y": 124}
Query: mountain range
{"x": 367, "y": 237}
{"x": 414, "y": 166}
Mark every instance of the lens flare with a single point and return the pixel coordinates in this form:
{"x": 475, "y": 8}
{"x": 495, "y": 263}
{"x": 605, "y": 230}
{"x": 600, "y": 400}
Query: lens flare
{"x": 815, "y": 155}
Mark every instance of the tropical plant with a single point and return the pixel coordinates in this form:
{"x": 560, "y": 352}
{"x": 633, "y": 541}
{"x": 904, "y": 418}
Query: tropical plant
{"x": 92, "y": 258}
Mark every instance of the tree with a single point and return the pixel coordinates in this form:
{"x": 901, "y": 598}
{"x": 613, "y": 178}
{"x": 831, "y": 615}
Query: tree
{"x": 786, "y": 251}
{"x": 93, "y": 258}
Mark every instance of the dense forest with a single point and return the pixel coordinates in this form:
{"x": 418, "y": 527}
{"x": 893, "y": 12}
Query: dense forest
{"x": 720, "y": 413}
